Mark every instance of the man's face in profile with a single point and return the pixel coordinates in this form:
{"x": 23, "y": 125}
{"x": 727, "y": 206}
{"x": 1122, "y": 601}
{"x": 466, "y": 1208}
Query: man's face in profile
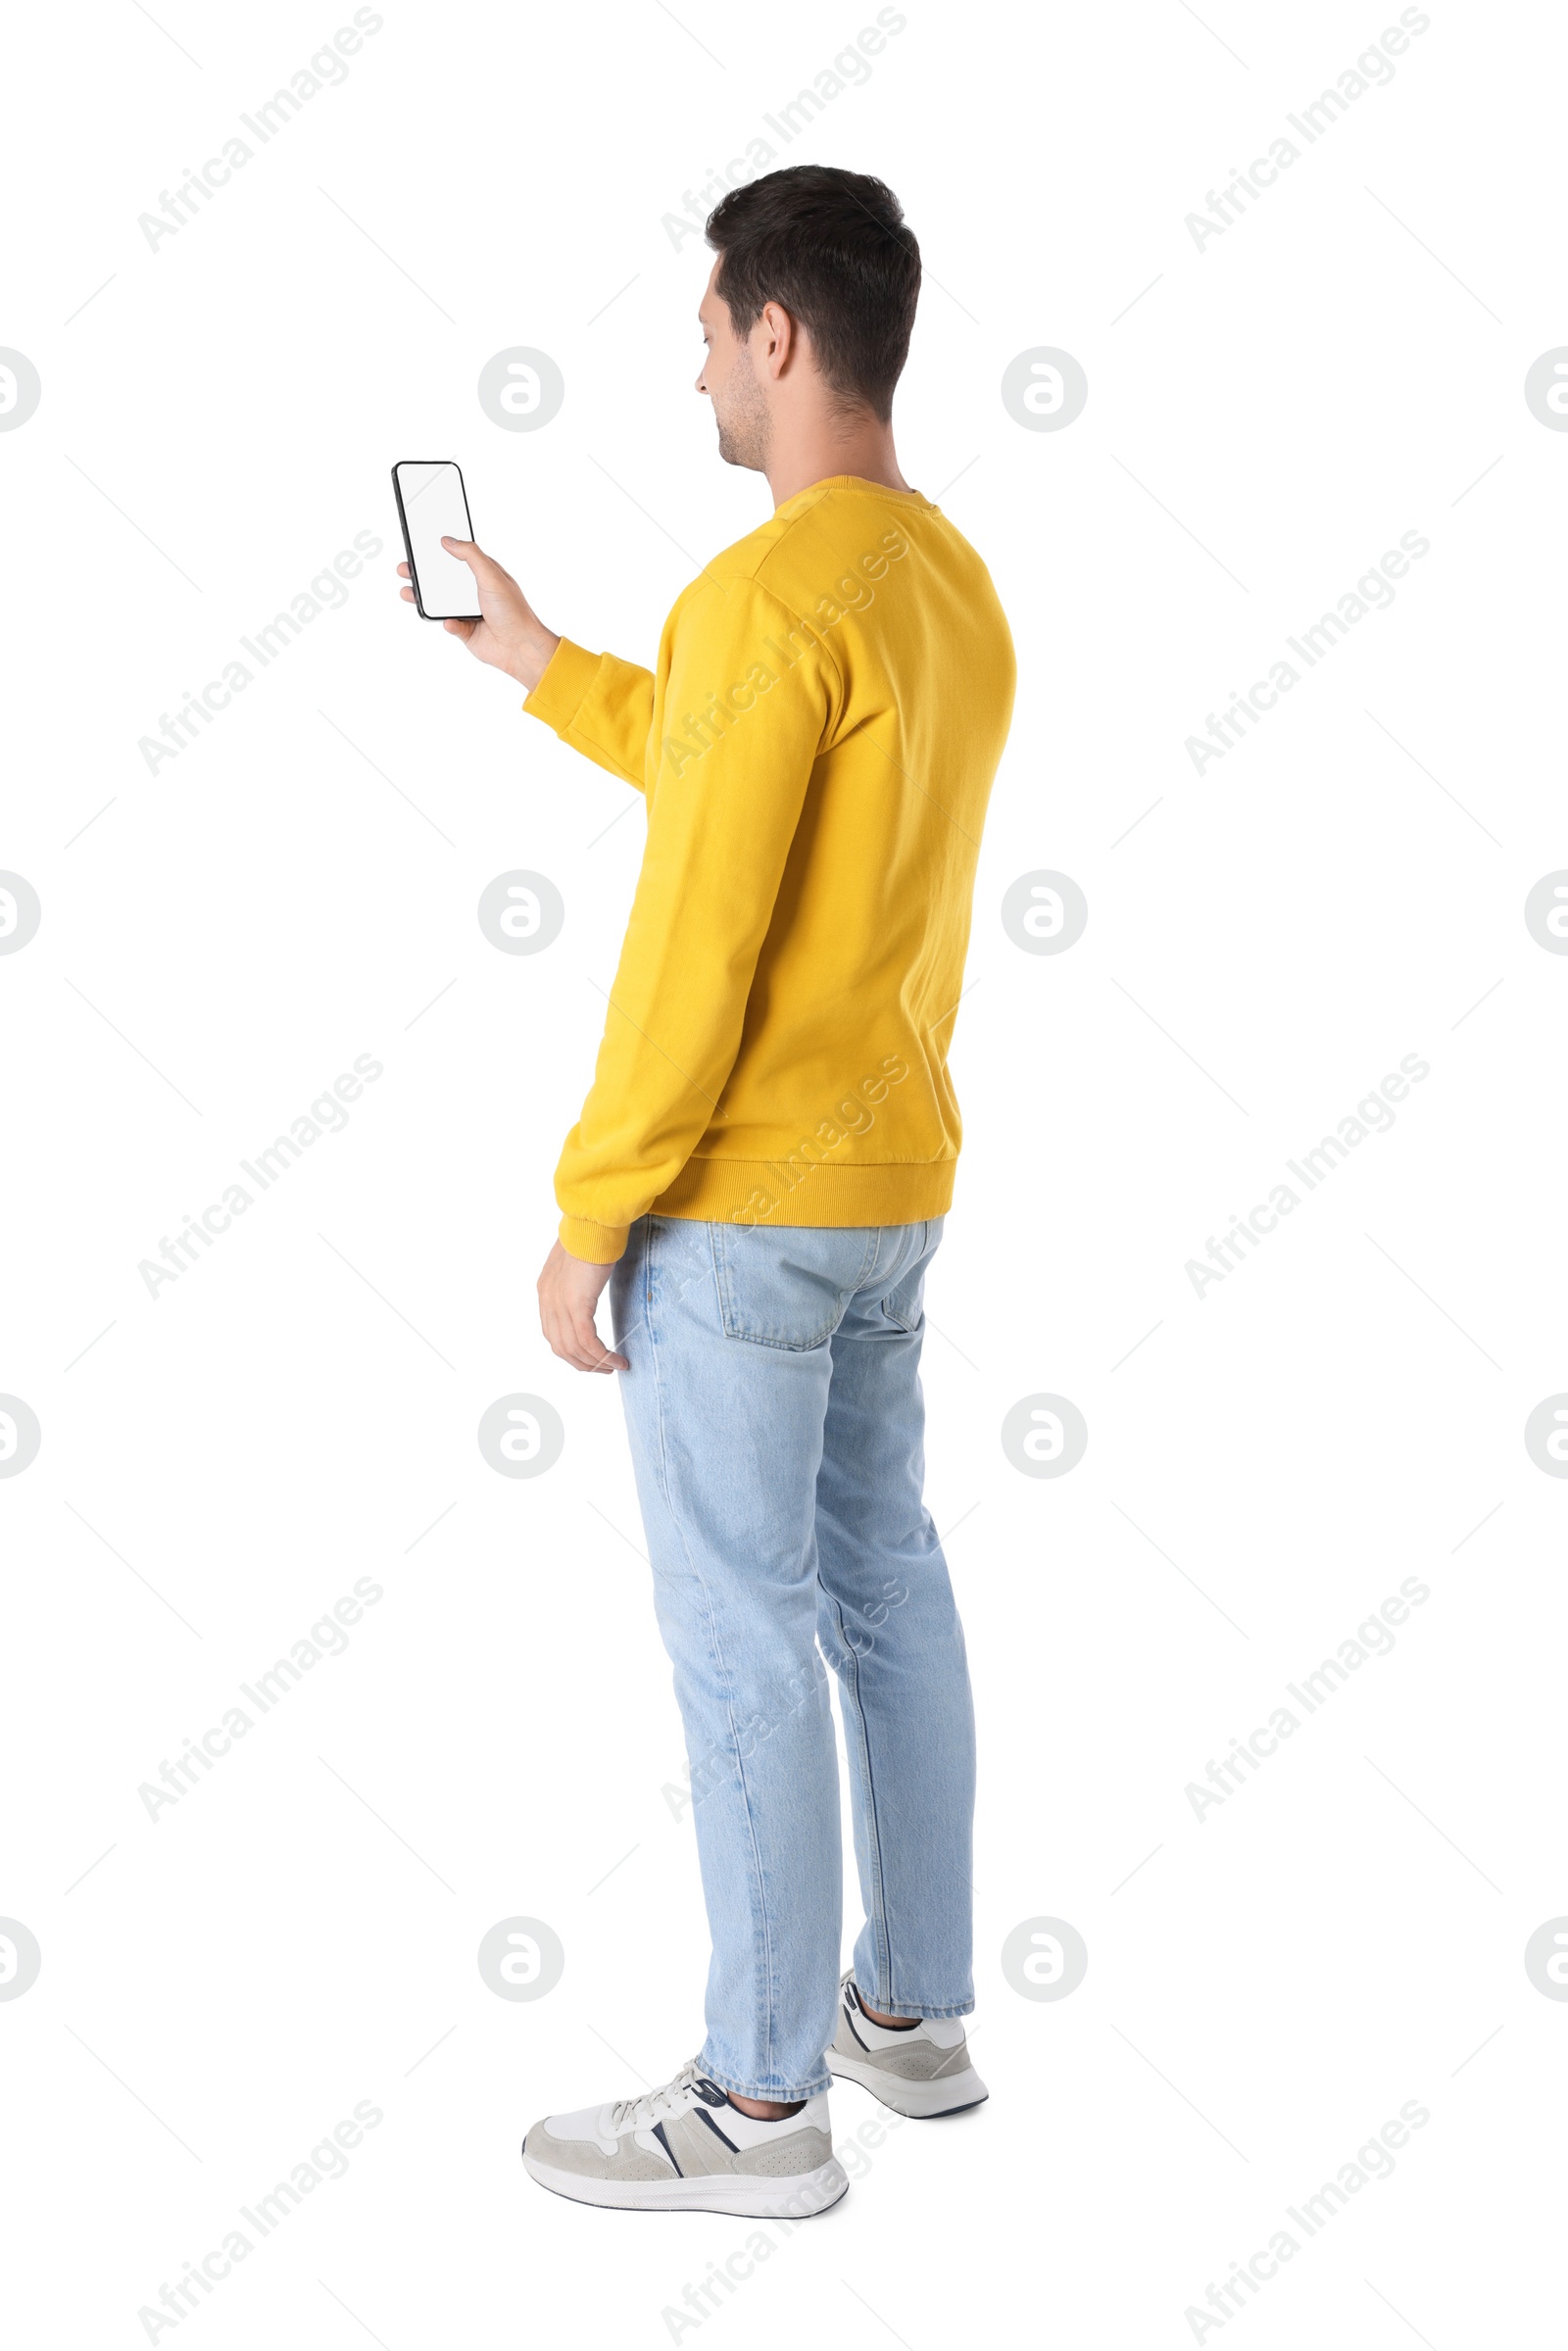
{"x": 731, "y": 382}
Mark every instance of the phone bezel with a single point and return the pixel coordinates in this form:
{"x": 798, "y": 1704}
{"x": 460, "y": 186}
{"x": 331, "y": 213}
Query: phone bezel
{"x": 408, "y": 543}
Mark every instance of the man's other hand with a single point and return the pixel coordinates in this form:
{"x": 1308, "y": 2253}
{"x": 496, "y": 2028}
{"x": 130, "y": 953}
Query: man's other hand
{"x": 569, "y": 1293}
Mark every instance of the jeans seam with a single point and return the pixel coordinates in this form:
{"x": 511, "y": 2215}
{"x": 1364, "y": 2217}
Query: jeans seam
{"x": 850, "y": 1680}
{"x": 720, "y": 1282}
{"x": 897, "y": 1273}
{"x": 720, "y": 1661}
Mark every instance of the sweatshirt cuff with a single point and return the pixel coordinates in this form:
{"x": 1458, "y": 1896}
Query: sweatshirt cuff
{"x": 596, "y": 1244}
{"x": 564, "y": 687}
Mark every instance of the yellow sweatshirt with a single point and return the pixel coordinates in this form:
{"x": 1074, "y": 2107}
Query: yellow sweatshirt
{"x": 816, "y": 746}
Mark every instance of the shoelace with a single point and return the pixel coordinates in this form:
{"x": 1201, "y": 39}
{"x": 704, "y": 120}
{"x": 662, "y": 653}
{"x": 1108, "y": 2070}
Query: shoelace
{"x": 654, "y": 2104}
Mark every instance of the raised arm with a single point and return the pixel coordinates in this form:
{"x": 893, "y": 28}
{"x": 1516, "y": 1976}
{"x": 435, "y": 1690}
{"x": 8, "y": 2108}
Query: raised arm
{"x": 599, "y": 703}
{"x": 601, "y": 706}
{"x": 725, "y": 800}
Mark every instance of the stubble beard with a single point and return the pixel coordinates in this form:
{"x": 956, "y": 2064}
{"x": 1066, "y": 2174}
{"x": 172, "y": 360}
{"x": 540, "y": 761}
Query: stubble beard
{"x": 744, "y": 423}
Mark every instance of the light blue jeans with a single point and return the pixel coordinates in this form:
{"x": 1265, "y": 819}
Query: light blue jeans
{"x": 774, "y": 1402}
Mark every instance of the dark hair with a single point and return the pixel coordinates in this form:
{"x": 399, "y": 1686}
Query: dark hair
{"x": 831, "y": 248}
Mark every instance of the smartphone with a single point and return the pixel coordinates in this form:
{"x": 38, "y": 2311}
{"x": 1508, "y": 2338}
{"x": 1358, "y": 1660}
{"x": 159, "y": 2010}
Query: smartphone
{"x": 432, "y": 505}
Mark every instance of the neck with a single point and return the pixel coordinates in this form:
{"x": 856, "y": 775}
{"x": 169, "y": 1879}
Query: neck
{"x": 814, "y": 449}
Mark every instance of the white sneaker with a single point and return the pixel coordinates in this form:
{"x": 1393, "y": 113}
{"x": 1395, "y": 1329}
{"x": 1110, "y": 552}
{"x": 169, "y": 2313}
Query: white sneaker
{"x": 921, "y": 2072}
{"x": 685, "y": 2148}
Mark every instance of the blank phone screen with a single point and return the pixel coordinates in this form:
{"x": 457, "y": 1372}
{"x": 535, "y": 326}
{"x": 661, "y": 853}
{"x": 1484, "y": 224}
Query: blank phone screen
{"x": 434, "y": 507}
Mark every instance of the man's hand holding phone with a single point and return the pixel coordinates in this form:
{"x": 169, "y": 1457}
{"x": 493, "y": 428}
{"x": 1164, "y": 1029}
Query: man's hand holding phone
{"x": 508, "y": 635}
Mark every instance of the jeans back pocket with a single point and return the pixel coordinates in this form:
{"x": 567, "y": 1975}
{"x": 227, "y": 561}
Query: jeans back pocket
{"x": 787, "y": 1285}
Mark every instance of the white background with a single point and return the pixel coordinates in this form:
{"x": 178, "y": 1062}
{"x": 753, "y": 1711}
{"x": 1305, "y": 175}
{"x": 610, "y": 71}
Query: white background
{"x": 298, "y": 887}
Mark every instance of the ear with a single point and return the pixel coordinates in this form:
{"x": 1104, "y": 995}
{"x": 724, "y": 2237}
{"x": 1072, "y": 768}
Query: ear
{"x": 782, "y": 340}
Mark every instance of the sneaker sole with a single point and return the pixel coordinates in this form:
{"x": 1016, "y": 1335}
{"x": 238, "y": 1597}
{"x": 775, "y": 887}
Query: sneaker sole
{"x": 798, "y": 2195}
{"x": 922, "y": 2102}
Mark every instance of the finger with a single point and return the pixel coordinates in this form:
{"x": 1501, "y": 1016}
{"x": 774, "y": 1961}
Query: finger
{"x": 460, "y": 628}
{"x": 565, "y": 1342}
{"x": 578, "y": 1350}
{"x": 552, "y": 1337}
{"x": 483, "y": 567}
{"x": 406, "y": 595}
{"x": 560, "y": 1337}
{"x": 573, "y": 1338}
{"x": 590, "y": 1347}
{"x": 404, "y": 573}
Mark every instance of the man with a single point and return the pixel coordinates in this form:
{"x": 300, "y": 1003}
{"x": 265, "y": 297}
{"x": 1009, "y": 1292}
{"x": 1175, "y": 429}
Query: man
{"x": 760, "y": 1173}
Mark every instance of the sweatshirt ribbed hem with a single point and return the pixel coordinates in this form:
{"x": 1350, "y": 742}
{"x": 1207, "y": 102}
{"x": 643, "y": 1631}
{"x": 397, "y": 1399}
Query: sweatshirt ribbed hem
{"x": 769, "y": 1191}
